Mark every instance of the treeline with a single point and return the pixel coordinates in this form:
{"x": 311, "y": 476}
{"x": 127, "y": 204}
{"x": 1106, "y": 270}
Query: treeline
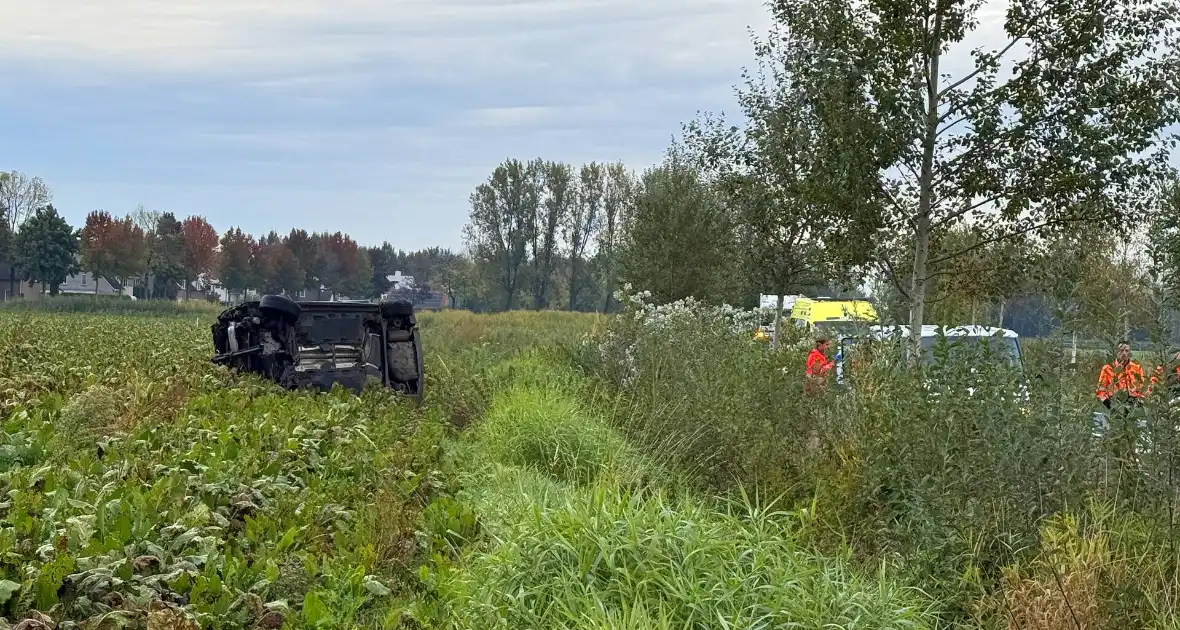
{"x": 163, "y": 256}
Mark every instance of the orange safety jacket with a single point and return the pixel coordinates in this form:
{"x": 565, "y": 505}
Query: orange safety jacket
{"x": 1128, "y": 379}
{"x": 817, "y": 363}
{"x": 1158, "y": 376}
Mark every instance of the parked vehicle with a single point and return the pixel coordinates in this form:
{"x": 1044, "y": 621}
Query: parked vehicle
{"x": 1001, "y": 343}
{"x": 835, "y": 318}
{"x": 321, "y": 344}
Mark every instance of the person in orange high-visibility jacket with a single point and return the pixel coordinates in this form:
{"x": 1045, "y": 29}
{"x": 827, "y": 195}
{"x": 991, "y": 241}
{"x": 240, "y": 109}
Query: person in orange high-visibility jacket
{"x": 1124, "y": 375}
{"x": 1171, "y": 382}
{"x": 818, "y": 365}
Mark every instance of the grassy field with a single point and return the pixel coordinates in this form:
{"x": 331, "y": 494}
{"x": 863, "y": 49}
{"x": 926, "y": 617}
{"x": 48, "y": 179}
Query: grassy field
{"x": 566, "y": 471}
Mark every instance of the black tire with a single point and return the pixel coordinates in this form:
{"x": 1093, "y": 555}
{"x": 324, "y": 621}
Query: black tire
{"x": 280, "y": 307}
{"x": 396, "y": 308}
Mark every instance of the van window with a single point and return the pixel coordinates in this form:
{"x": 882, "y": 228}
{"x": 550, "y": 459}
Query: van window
{"x": 835, "y": 329}
{"x": 1004, "y": 348}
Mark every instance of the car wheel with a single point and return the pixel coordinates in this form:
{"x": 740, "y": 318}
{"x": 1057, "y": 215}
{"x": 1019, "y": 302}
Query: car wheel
{"x": 396, "y": 308}
{"x": 280, "y": 307}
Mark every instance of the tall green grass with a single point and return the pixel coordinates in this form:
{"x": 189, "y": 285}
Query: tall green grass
{"x": 111, "y": 305}
{"x": 576, "y": 534}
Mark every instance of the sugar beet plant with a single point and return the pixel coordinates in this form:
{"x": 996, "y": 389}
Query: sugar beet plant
{"x": 142, "y": 485}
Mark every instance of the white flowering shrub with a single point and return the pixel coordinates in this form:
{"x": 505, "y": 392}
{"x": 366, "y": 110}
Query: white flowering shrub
{"x": 642, "y": 322}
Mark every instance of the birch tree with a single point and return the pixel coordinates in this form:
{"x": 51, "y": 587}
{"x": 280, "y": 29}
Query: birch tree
{"x": 582, "y": 223}
{"x": 557, "y": 196}
{"x": 1063, "y": 122}
{"x": 20, "y": 197}
{"x": 618, "y": 201}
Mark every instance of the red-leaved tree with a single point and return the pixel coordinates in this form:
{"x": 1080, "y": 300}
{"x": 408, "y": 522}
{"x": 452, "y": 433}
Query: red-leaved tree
{"x": 97, "y": 245}
{"x": 200, "y": 249}
{"x": 345, "y": 271}
{"x": 128, "y": 249}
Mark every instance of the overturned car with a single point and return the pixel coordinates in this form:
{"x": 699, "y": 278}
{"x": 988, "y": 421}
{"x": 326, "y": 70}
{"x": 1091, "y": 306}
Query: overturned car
{"x": 320, "y": 344}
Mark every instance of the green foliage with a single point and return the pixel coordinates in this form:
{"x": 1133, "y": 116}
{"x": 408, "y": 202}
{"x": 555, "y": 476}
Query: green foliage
{"x": 166, "y": 256}
{"x": 945, "y": 470}
{"x": 45, "y": 247}
{"x": 139, "y": 476}
{"x": 233, "y": 260}
{"x": 679, "y": 239}
{"x": 1012, "y": 143}
{"x": 597, "y": 550}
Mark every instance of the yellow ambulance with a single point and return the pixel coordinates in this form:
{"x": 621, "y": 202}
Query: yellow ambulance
{"x": 833, "y": 317}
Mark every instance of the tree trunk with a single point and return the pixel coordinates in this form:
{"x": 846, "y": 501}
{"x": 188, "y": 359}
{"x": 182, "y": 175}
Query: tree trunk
{"x": 922, "y": 225}
{"x": 573, "y": 283}
{"x": 1003, "y": 303}
{"x": 96, "y": 277}
{"x": 778, "y": 321}
{"x": 1073, "y": 350}
{"x": 610, "y": 286}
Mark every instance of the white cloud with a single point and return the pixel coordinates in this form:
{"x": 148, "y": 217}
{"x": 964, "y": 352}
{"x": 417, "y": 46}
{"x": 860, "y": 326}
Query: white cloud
{"x": 236, "y": 37}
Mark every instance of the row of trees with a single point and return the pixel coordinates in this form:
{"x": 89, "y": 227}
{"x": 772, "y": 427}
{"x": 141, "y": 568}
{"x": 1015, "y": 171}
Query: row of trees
{"x": 161, "y": 255}
{"x": 541, "y": 228}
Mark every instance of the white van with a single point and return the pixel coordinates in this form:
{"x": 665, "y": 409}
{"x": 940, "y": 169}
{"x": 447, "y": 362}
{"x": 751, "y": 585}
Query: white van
{"x": 1001, "y": 341}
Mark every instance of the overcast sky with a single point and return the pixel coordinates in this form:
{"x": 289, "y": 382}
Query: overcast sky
{"x": 373, "y": 117}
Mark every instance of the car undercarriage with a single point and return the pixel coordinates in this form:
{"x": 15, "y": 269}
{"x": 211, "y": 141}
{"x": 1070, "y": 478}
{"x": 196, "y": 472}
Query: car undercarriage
{"x": 321, "y": 344}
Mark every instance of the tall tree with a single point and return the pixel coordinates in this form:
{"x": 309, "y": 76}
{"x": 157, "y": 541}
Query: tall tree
{"x": 305, "y": 249}
{"x": 146, "y": 220}
{"x": 262, "y": 266}
{"x": 167, "y": 255}
{"x": 453, "y": 277}
{"x": 1073, "y": 133}
{"x": 581, "y": 224}
{"x": 800, "y": 201}
{"x": 97, "y": 245}
{"x": 558, "y": 191}
{"x": 45, "y": 249}
{"x": 20, "y": 197}
{"x": 130, "y": 247}
{"x": 233, "y": 261}
{"x": 200, "y": 249}
{"x": 286, "y": 274}
{"x": 679, "y": 239}
{"x": 345, "y": 270}
{"x": 501, "y": 225}
{"x": 616, "y": 207}
{"x": 383, "y": 260}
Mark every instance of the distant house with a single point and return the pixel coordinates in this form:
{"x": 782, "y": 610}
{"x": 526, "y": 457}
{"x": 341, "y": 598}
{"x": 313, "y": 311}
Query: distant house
{"x": 79, "y": 283}
{"x": 403, "y": 287}
{"x": 399, "y": 282}
{"x": 85, "y": 283}
{"x": 11, "y": 290}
